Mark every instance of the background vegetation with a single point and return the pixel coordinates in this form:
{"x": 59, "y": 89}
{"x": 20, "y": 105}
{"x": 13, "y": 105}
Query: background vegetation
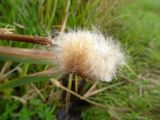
{"x": 133, "y": 22}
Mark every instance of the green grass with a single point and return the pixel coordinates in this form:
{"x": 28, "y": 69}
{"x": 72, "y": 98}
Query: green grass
{"x": 134, "y": 23}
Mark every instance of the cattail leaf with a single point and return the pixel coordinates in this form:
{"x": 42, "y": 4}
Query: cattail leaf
{"x": 24, "y": 59}
{"x": 26, "y": 55}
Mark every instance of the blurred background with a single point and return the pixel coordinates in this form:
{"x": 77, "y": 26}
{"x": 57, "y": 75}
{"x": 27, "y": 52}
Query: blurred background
{"x": 135, "y": 23}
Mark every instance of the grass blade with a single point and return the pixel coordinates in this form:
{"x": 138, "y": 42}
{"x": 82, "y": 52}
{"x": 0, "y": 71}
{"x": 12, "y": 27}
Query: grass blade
{"x": 29, "y": 79}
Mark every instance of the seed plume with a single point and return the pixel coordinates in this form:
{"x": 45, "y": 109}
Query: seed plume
{"x": 89, "y": 54}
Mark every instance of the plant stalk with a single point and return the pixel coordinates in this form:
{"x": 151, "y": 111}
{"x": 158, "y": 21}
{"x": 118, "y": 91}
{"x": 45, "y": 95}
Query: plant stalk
{"x": 26, "y": 54}
{"x": 27, "y": 38}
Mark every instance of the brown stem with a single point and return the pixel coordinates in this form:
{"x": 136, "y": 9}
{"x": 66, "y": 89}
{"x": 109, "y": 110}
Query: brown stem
{"x": 26, "y": 38}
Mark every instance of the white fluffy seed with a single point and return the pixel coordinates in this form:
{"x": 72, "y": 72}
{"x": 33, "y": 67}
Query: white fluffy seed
{"x": 88, "y": 54}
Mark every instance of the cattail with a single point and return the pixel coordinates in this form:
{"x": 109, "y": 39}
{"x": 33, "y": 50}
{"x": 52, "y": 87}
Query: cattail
{"x": 88, "y": 54}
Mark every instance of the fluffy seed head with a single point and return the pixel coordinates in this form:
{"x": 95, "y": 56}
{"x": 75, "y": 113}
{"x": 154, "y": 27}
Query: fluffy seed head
{"x": 88, "y": 54}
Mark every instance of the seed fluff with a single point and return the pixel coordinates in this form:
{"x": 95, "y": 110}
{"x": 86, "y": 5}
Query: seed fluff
{"x": 89, "y": 54}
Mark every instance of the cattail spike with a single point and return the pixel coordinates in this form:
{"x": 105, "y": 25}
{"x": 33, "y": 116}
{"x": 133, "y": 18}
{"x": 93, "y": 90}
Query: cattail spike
{"x": 88, "y": 54}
